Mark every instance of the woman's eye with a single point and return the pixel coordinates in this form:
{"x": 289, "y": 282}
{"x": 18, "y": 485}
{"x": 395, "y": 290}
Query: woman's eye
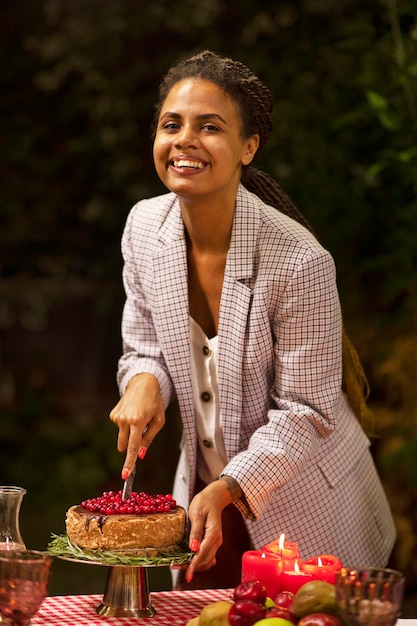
{"x": 211, "y": 128}
{"x": 171, "y": 126}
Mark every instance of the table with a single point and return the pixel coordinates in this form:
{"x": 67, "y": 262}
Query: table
{"x": 172, "y": 607}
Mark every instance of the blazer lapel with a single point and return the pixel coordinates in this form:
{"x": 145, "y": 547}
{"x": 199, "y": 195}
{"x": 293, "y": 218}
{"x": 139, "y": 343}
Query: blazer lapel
{"x": 171, "y": 316}
{"x": 234, "y": 311}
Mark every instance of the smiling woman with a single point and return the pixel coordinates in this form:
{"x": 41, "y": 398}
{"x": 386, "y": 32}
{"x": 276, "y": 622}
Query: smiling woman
{"x": 232, "y": 310}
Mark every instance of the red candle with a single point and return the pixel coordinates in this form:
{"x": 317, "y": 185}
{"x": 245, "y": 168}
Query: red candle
{"x": 263, "y": 566}
{"x": 292, "y": 580}
{"x": 288, "y": 551}
{"x": 323, "y": 567}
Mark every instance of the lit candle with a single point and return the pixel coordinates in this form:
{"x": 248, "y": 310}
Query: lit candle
{"x": 323, "y": 567}
{"x": 288, "y": 551}
{"x": 263, "y": 566}
{"x": 292, "y": 580}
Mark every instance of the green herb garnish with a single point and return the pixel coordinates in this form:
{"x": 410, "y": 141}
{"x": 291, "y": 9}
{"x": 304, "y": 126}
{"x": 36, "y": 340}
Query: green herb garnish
{"x": 61, "y": 546}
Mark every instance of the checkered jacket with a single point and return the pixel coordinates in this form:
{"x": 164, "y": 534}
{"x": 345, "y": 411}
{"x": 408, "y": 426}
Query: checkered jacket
{"x": 293, "y": 444}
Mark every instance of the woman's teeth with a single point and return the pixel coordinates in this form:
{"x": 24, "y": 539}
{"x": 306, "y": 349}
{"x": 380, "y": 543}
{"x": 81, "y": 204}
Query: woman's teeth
{"x": 185, "y": 163}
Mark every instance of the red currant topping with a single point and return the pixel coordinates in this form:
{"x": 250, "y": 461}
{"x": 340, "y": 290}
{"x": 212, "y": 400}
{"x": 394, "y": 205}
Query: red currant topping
{"x": 112, "y": 503}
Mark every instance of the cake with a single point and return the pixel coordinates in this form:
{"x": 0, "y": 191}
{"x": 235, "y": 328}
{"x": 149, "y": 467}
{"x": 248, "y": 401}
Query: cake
{"x": 144, "y": 524}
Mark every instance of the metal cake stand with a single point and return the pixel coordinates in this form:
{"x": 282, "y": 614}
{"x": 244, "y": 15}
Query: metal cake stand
{"x": 127, "y": 592}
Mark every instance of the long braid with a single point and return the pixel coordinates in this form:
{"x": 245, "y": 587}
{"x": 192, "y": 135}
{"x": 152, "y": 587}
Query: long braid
{"x": 270, "y": 192}
{"x": 255, "y": 104}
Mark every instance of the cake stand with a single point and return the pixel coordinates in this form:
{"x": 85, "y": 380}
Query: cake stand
{"x": 127, "y": 592}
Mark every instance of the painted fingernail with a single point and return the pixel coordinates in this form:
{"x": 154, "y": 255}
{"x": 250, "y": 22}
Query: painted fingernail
{"x": 195, "y": 544}
{"x": 142, "y": 452}
{"x": 125, "y": 473}
{"x": 188, "y": 578}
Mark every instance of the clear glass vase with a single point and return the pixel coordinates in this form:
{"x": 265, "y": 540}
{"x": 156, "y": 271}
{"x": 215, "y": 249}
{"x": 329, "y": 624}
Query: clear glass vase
{"x": 10, "y": 502}
{"x": 10, "y": 538}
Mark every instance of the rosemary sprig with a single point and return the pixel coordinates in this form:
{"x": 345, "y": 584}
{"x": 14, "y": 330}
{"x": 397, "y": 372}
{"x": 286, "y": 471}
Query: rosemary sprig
{"x": 61, "y": 546}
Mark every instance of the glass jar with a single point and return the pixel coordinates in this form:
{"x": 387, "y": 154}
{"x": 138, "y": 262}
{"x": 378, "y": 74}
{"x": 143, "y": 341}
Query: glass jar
{"x": 10, "y": 501}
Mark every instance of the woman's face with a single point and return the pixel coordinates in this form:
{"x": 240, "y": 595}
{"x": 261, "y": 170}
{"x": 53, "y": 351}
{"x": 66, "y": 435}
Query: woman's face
{"x": 199, "y": 149}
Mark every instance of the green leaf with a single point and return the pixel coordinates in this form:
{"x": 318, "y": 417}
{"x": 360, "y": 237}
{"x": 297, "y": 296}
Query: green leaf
{"x": 381, "y": 106}
{"x": 377, "y": 101}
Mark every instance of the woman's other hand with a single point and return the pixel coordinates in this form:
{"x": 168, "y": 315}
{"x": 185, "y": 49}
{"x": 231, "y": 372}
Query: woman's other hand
{"x": 205, "y": 516}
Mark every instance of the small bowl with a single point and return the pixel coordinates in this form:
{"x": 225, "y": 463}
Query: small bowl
{"x": 369, "y": 596}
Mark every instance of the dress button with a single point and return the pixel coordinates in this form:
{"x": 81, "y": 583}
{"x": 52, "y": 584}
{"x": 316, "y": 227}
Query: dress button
{"x": 207, "y": 443}
{"x": 206, "y": 350}
{"x": 205, "y": 396}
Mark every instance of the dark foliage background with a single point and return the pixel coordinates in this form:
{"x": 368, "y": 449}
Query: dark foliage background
{"x": 78, "y": 84}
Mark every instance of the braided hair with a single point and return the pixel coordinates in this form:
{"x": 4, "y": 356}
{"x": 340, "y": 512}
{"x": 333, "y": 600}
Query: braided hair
{"x": 254, "y": 100}
{"x": 255, "y": 104}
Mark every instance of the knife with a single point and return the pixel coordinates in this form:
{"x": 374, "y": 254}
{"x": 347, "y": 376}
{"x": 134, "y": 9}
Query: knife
{"x": 128, "y": 484}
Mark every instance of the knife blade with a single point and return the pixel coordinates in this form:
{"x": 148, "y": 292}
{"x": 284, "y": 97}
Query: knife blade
{"x": 128, "y": 484}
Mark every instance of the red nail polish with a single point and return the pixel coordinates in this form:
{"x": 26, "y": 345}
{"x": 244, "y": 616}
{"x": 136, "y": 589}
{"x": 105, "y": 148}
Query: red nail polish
{"x": 125, "y": 473}
{"x": 142, "y": 452}
{"x": 195, "y": 544}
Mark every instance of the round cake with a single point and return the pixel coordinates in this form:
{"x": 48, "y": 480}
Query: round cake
{"x": 144, "y": 524}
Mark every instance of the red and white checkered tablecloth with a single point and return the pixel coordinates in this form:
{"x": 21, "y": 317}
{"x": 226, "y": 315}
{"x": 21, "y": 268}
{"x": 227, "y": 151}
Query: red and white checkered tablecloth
{"x": 173, "y": 608}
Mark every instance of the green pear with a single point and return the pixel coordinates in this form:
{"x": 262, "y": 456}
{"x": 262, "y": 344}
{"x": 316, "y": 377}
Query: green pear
{"x": 215, "y": 614}
{"x": 316, "y": 596}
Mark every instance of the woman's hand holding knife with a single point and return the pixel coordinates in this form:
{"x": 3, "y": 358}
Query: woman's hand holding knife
{"x": 139, "y": 415}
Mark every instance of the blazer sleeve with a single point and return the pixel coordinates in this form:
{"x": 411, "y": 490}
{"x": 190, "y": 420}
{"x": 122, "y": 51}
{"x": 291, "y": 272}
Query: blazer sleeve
{"x": 141, "y": 348}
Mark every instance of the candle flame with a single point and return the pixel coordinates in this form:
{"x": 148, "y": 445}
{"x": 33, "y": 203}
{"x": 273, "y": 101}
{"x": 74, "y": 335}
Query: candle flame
{"x": 263, "y": 555}
{"x": 296, "y": 568}
{"x": 281, "y": 541}
{"x": 319, "y": 562}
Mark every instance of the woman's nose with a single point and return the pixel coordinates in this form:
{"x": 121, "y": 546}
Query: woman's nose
{"x": 186, "y": 137}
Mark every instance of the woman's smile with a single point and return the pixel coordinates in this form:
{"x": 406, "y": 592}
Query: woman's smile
{"x": 187, "y": 165}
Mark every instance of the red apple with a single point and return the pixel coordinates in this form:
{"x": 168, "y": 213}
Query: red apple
{"x": 250, "y": 590}
{"x": 282, "y": 611}
{"x": 245, "y": 613}
{"x": 284, "y": 598}
{"x": 319, "y": 619}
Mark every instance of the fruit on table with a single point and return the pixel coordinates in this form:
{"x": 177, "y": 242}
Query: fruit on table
{"x": 283, "y": 612}
{"x": 215, "y": 614}
{"x": 245, "y": 612}
{"x": 250, "y": 590}
{"x": 284, "y": 598}
{"x": 316, "y": 596}
{"x": 273, "y": 621}
{"x": 314, "y": 604}
{"x": 319, "y": 619}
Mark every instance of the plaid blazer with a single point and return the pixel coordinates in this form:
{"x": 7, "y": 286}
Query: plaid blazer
{"x": 291, "y": 439}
